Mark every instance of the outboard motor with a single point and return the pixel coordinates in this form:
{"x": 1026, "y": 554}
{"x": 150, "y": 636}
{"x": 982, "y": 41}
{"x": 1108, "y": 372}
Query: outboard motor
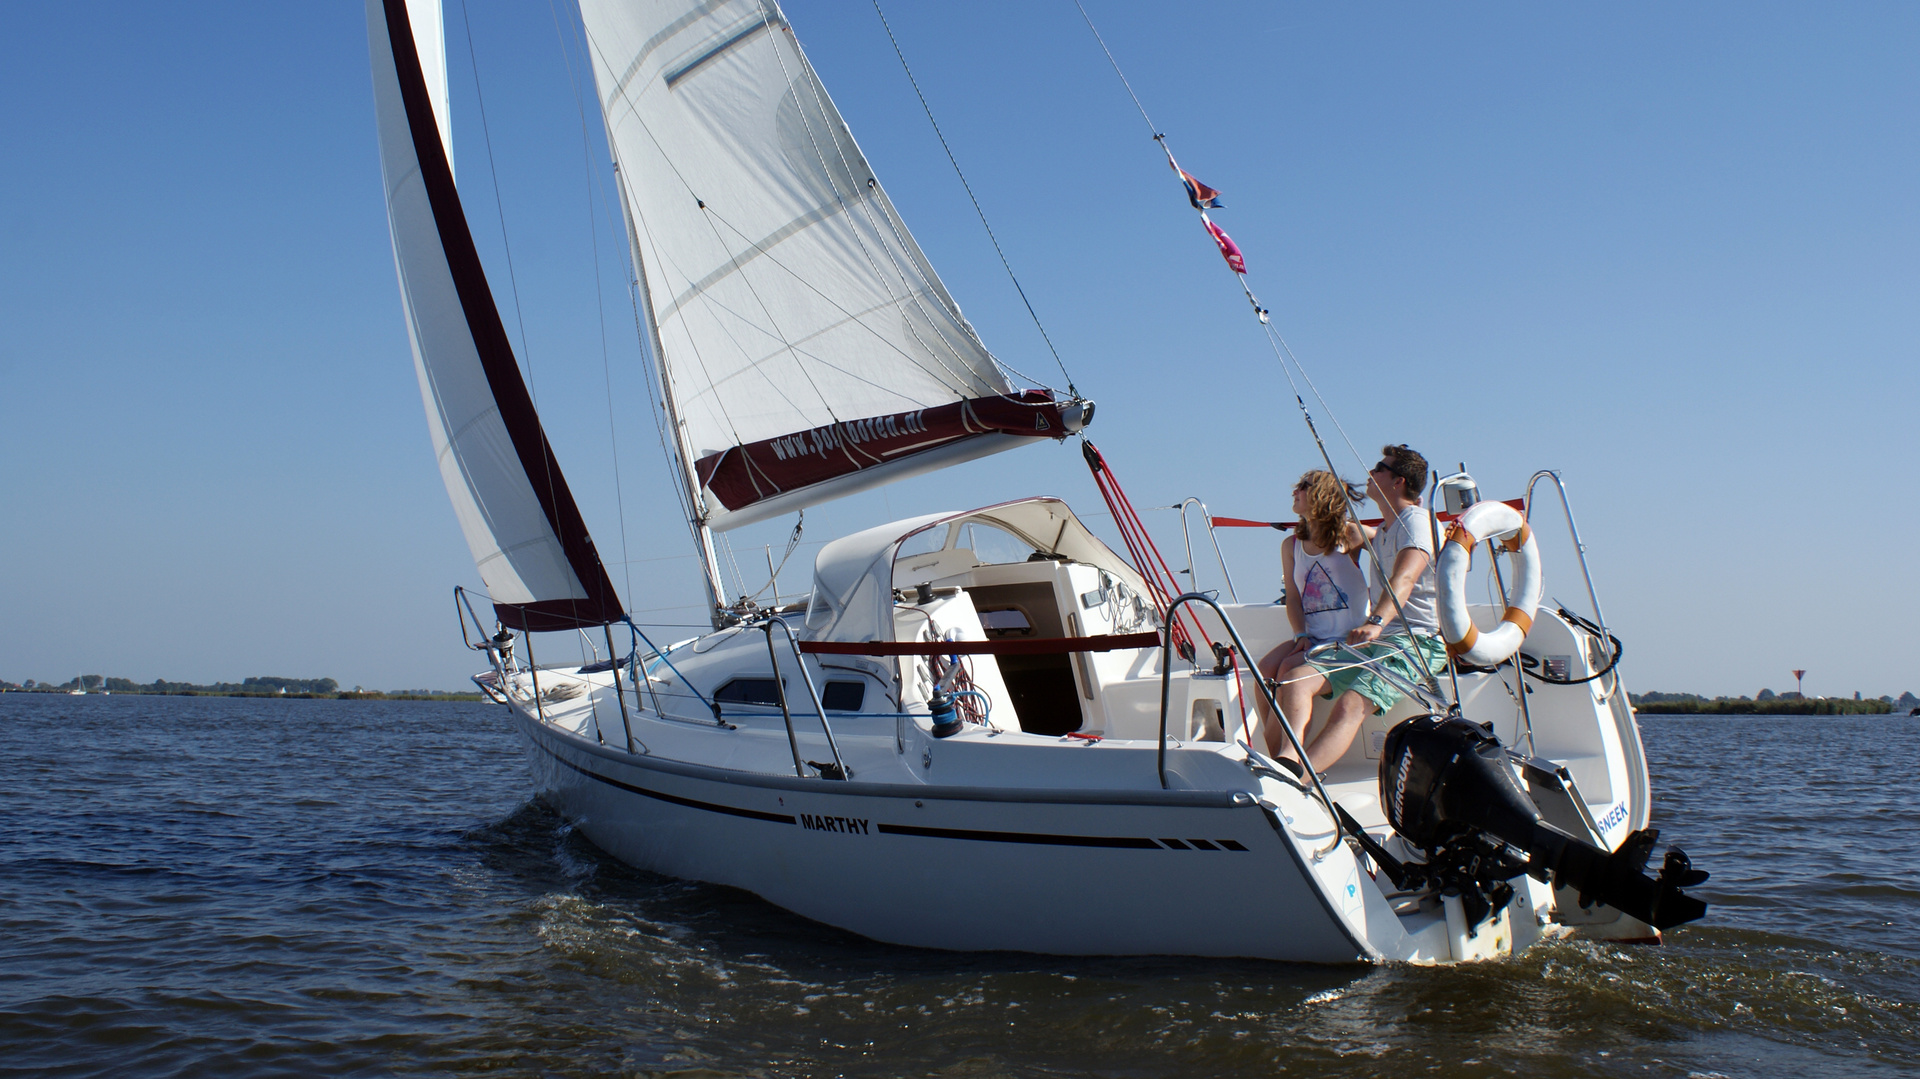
{"x": 1448, "y": 789}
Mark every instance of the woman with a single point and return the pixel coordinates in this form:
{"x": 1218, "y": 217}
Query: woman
{"x": 1326, "y": 592}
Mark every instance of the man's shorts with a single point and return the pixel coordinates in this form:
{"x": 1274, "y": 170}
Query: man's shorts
{"x": 1393, "y": 653}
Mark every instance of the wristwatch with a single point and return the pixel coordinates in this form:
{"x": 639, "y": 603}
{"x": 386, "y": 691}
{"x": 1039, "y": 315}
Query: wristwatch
{"x": 1374, "y": 620}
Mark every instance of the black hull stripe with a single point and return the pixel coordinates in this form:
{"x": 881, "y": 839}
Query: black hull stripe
{"x": 541, "y": 734}
{"x": 751, "y": 814}
{"x": 1132, "y": 842}
{"x": 1041, "y": 838}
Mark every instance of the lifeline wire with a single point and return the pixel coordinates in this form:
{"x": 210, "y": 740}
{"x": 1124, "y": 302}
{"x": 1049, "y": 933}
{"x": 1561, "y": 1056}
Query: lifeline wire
{"x": 928, "y": 109}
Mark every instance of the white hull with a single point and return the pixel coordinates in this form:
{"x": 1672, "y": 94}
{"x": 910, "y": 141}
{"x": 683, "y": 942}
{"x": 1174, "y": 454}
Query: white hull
{"x": 999, "y": 838}
{"x": 1071, "y": 872}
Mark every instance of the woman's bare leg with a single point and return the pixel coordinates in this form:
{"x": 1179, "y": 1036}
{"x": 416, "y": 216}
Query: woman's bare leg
{"x": 1270, "y": 666}
{"x": 1297, "y": 689}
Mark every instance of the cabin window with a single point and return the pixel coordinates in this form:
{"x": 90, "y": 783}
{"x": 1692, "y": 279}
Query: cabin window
{"x": 1011, "y": 622}
{"x": 844, "y": 696}
{"x": 927, "y": 541}
{"x": 836, "y": 696}
{"x": 748, "y": 691}
{"x": 993, "y": 546}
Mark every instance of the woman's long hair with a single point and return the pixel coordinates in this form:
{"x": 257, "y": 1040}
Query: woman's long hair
{"x": 1325, "y": 522}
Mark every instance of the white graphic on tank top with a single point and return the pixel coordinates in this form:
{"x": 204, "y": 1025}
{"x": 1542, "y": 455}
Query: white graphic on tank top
{"x": 1320, "y": 594}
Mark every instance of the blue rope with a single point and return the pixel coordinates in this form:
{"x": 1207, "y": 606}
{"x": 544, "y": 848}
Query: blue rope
{"x": 658, "y": 651}
{"x": 986, "y": 706}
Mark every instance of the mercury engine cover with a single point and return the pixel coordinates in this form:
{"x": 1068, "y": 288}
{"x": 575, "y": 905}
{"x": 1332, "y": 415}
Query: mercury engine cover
{"x": 1448, "y": 789}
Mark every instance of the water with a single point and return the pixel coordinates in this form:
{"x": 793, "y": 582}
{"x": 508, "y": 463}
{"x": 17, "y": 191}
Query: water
{"x": 207, "y": 887}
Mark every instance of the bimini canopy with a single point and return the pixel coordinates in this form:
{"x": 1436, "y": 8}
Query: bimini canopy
{"x": 854, "y": 576}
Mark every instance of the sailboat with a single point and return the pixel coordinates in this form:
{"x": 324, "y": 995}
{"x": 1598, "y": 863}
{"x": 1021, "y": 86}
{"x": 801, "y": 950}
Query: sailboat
{"x": 983, "y": 728}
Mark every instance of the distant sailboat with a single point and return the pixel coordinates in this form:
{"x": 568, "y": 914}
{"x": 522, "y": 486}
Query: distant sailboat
{"x": 975, "y": 733}
{"x": 79, "y": 686}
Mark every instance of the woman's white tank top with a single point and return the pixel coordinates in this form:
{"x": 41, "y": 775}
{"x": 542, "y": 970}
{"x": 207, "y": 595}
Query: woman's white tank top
{"x": 1332, "y": 590}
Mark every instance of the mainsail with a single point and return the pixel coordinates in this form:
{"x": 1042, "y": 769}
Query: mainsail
{"x": 520, "y": 520}
{"x": 807, "y": 349}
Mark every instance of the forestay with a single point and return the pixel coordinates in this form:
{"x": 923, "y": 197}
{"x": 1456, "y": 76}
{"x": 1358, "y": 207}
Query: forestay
{"x": 519, "y": 517}
{"x": 807, "y": 348}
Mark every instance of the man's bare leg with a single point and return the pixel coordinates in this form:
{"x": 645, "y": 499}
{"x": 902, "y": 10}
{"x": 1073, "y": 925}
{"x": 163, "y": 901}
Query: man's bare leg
{"x": 1343, "y": 722}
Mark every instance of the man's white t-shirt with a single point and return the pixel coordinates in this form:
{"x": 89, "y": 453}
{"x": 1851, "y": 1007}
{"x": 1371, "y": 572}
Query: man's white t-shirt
{"x": 1413, "y": 528}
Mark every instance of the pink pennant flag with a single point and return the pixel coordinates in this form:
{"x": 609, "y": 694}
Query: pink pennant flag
{"x": 1228, "y": 249}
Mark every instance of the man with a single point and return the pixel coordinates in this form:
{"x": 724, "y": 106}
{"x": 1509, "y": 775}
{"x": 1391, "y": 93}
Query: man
{"x": 1405, "y": 600}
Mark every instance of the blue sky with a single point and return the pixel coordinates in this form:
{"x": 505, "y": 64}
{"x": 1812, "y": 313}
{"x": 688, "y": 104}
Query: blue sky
{"x": 1670, "y": 250}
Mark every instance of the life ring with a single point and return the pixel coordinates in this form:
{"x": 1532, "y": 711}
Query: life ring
{"x": 1484, "y": 521}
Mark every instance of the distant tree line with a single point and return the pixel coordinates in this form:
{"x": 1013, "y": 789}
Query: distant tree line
{"x": 261, "y": 686}
{"x": 1768, "y": 703}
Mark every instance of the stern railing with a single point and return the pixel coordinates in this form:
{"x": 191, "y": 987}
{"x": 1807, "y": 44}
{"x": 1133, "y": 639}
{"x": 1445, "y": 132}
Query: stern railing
{"x": 1186, "y": 534}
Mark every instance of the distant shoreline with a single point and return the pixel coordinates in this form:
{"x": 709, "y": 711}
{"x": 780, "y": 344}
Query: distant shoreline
{"x": 343, "y": 695}
{"x": 1832, "y": 706}
{"x": 1722, "y": 706}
